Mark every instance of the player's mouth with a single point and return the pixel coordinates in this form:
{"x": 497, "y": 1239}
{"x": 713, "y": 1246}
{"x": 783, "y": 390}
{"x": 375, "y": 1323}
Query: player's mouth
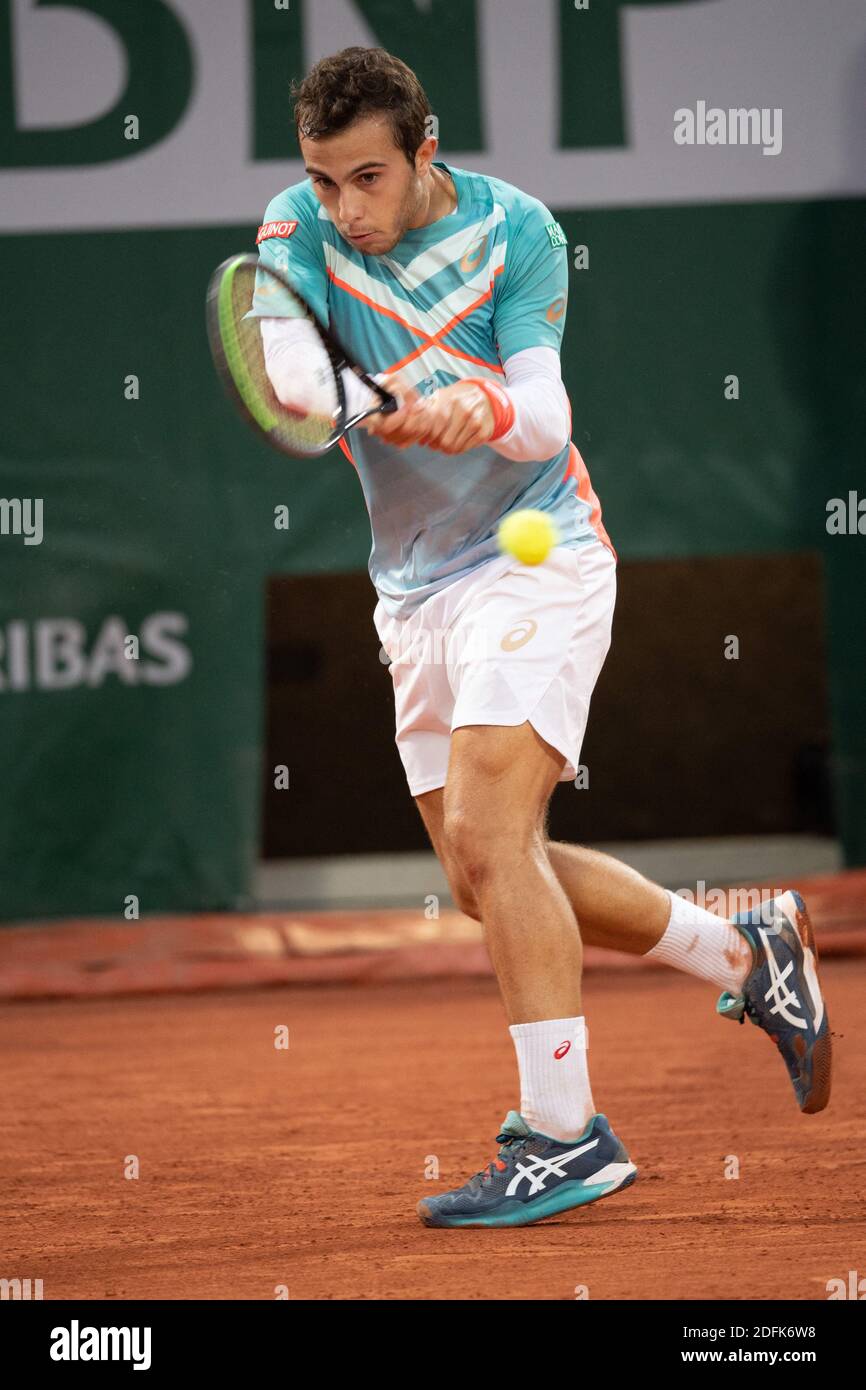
{"x": 362, "y": 236}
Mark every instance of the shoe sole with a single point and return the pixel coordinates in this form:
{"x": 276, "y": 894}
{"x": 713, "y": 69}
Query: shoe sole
{"x": 822, "y": 1052}
{"x": 616, "y": 1177}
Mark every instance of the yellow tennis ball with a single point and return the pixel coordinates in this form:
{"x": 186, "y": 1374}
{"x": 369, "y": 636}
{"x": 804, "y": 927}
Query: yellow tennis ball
{"x": 528, "y": 535}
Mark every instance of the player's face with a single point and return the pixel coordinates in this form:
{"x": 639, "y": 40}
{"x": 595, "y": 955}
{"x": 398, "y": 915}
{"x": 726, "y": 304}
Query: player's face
{"x": 365, "y": 182}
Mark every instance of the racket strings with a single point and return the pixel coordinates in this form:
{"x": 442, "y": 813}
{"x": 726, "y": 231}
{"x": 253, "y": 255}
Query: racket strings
{"x": 292, "y": 392}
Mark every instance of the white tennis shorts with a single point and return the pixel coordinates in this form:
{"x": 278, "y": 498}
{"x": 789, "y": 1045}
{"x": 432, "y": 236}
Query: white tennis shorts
{"x": 505, "y": 644}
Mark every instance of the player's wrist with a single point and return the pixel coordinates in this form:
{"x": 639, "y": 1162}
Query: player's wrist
{"x": 500, "y": 403}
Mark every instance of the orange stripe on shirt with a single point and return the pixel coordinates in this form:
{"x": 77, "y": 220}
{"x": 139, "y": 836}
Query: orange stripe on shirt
{"x": 428, "y": 340}
{"x": 577, "y": 469}
{"x": 347, "y": 451}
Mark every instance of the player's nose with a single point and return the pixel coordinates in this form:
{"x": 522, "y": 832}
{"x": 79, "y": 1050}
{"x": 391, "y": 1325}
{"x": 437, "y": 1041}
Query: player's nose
{"x": 351, "y": 215}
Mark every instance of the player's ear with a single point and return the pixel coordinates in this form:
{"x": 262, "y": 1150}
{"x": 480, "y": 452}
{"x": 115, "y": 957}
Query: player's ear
{"x": 425, "y": 154}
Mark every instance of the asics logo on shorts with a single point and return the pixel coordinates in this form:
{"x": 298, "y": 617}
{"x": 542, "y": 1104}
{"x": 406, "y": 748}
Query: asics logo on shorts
{"x": 519, "y": 635}
{"x": 562, "y": 1049}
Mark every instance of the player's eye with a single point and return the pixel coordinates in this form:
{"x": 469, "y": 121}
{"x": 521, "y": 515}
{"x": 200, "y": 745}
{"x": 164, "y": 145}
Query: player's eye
{"x": 370, "y": 176}
{"x": 323, "y": 181}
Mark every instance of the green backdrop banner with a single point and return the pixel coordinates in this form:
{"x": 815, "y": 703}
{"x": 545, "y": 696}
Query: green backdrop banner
{"x": 138, "y": 517}
{"x": 161, "y": 514}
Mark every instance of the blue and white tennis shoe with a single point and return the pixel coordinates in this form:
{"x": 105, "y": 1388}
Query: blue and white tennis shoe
{"x": 781, "y": 994}
{"x": 535, "y": 1177}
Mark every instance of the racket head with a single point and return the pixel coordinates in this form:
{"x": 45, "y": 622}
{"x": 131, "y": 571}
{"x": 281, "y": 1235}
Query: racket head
{"x": 242, "y": 293}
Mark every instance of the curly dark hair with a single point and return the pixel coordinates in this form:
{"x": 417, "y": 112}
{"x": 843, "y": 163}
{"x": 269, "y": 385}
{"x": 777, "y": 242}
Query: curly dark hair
{"x": 359, "y": 82}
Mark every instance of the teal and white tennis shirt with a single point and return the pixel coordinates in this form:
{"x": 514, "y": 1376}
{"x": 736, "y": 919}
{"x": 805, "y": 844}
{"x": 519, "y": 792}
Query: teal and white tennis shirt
{"x": 453, "y": 299}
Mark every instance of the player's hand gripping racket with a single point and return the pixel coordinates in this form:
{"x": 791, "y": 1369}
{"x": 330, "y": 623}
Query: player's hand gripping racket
{"x": 247, "y": 308}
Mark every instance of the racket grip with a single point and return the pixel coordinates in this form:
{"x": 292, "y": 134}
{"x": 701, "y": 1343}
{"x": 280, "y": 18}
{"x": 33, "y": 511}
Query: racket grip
{"x": 388, "y": 407}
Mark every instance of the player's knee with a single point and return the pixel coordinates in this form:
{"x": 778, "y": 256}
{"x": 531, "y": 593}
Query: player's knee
{"x": 474, "y": 846}
{"x": 465, "y": 900}
{"x": 462, "y": 839}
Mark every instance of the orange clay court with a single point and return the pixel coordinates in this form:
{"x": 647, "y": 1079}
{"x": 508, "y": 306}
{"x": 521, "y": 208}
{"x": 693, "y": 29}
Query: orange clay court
{"x": 262, "y": 1166}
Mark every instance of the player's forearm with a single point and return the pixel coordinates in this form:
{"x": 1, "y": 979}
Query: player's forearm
{"x": 292, "y": 375}
{"x": 533, "y": 398}
{"x": 542, "y": 419}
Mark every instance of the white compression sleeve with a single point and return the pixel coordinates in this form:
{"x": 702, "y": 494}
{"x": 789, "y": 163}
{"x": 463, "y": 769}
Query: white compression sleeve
{"x": 284, "y": 341}
{"x": 533, "y": 381}
{"x": 532, "y": 378}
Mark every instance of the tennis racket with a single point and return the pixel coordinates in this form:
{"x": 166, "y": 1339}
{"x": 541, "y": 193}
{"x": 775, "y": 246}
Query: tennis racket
{"x": 247, "y": 305}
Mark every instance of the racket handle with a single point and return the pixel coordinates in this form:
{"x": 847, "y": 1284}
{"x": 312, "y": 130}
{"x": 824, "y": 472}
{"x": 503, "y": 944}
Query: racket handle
{"x": 387, "y": 407}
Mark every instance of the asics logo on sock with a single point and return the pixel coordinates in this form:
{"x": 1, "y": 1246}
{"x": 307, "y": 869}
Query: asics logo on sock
{"x": 562, "y": 1049}
{"x": 536, "y": 1169}
{"x": 784, "y": 998}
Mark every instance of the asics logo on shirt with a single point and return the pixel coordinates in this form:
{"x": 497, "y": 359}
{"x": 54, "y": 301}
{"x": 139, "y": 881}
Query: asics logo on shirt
{"x": 475, "y": 255}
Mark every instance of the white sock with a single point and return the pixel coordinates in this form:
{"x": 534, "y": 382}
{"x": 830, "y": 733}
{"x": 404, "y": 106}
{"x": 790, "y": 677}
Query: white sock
{"x": 704, "y": 945}
{"x": 555, "y": 1097}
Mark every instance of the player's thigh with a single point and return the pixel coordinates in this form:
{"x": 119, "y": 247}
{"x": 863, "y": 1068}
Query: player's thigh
{"x": 500, "y": 779}
{"x": 477, "y": 758}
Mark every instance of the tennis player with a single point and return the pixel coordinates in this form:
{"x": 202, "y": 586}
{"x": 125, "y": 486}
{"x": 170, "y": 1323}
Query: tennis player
{"x": 454, "y": 285}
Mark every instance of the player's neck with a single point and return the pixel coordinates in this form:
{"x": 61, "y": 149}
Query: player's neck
{"x": 442, "y": 198}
